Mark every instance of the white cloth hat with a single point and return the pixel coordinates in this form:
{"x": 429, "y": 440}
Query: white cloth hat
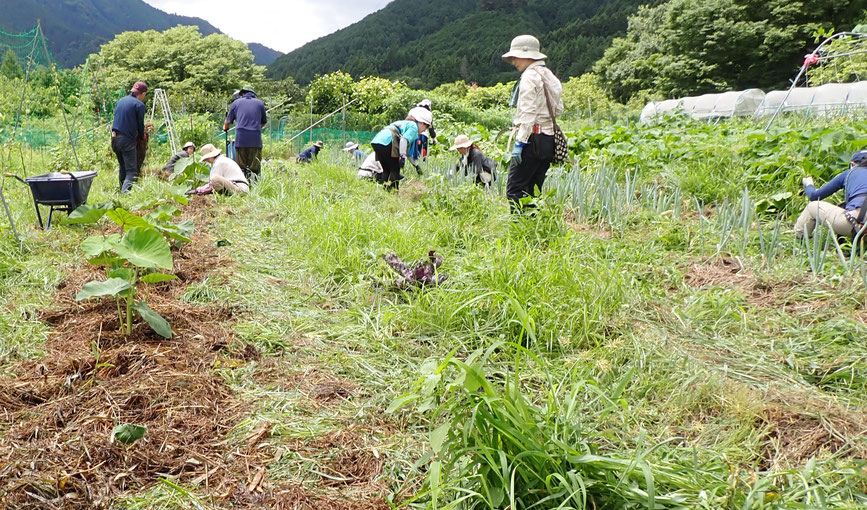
{"x": 525, "y": 46}
{"x": 461, "y": 142}
{"x": 421, "y": 115}
{"x": 350, "y": 146}
{"x": 425, "y": 103}
{"x": 189, "y": 144}
{"x": 209, "y": 151}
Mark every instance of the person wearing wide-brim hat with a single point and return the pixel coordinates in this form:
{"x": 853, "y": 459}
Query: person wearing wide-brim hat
{"x": 473, "y": 161}
{"x": 311, "y": 153}
{"x": 533, "y": 151}
{"x": 226, "y": 176}
{"x": 357, "y": 154}
{"x": 249, "y": 116}
{"x": 187, "y": 151}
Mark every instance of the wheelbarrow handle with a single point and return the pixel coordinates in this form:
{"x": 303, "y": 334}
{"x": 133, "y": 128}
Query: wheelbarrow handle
{"x": 15, "y": 177}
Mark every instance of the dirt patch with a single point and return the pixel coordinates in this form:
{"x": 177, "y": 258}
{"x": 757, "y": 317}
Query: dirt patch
{"x": 729, "y": 272}
{"x": 582, "y": 228}
{"x": 56, "y": 449}
{"x": 805, "y": 427}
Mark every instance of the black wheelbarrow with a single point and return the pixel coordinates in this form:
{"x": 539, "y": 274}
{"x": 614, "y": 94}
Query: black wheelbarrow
{"x": 61, "y": 191}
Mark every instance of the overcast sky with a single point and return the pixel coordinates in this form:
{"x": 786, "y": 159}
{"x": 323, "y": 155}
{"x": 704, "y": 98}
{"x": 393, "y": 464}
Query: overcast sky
{"x": 280, "y": 24}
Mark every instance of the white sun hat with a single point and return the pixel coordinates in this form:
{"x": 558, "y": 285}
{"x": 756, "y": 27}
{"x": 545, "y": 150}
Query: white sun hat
{"x": 209, "y": 151}
{"x": 189, "y": 144}
{"x": 525, "y": 46}
{"x": 350, "y": 146}
{"x": 421, "y": 115}
{"x": 461, "y": 142}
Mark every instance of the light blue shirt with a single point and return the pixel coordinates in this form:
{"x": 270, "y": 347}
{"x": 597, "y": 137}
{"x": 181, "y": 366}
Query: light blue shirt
{"x": 408, "y": 130}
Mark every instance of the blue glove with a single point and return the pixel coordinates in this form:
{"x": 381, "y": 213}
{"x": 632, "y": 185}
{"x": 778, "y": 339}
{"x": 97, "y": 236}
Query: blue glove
{"x": 516, "y": 152}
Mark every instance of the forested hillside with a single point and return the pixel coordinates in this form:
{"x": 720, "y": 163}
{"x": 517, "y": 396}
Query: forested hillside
{"x": 430, "y": 43}
{"x": 76, "y": 28}
{"x": 684, "y": 47}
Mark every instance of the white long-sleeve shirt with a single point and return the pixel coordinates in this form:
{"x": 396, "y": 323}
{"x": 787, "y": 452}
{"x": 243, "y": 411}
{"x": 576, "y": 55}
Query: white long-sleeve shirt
{"x": 226, "y": 167}
{"x": 532, "y": 109}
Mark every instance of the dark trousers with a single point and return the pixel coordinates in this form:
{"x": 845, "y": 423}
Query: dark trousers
{"x": 124, "y": 148}
{"x": 390, "y": 175}
{"x": 526, "y": 179}
{"x": 250, "y": 161}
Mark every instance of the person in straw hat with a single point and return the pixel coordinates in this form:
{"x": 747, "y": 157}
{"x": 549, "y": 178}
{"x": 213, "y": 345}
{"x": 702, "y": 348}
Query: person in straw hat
{"x": 226, "y": 176}
{"x": 392, "y": 145}
{"x": 308, "y": 155}
{"x": 352, "y": 149}
{"x": 534, "y": 127}
{"x": 473, "y": 161}
{"x": 187, "y": 151}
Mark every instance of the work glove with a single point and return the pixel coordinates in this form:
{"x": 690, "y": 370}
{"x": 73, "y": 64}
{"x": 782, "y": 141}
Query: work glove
{"x": 402, "y": 162}
{"x": 807, "y": 181}
{"x": 516, "y": 152}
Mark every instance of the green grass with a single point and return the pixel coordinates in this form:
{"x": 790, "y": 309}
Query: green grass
{"x": 601, "y": 373}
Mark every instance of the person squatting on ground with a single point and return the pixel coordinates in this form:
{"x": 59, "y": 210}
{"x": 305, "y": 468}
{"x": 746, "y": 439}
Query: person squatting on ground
{"x": 534, "y": 137}
{"x": 846, "y": 220}
{"x": 187, "y": 151}
{"x": 392, "y": 145}
{"x": 126, "y": 131}
{"x": 473, "y": 161}
{"x": 370, "y": 169}
{"x": 352, "y": 149}
{"x": 226, "y": 176}
{"x": 310, "y": 153}
{"x": 249, "y": 116}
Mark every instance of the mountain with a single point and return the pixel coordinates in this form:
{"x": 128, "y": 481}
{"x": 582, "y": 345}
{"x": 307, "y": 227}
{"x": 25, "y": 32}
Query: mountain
{"x": 263, "y": 55}
{"x": 429, "y": 43}
{"x": 76, "y": 28}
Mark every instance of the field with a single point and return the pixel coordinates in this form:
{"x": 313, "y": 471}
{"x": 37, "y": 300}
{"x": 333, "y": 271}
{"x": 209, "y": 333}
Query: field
{"x": 653, "y": 336}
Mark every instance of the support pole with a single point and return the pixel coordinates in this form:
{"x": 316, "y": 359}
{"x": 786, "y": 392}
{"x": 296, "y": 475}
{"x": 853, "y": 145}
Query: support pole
{"x": 59, "y": 96}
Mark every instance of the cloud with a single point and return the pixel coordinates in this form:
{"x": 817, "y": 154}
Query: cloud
{"x": 282, "y": 25}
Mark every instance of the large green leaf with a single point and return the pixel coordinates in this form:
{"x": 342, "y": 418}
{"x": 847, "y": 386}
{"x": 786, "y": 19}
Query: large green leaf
{"x": 157, "y": 277}
{"x": 110, "y": 287}
{"x": 145, "y": 247}
{"x": 126, "y": 219}
{"x": 85, "y": 215}
{"x": 128, "y": 433}
{"x": 97, "y": 245}
{"x": 155, "y": 320}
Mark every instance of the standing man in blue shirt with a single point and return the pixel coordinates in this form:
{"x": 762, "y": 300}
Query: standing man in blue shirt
{"x": 126, "y": 130}
{"x": 249, "y": 116}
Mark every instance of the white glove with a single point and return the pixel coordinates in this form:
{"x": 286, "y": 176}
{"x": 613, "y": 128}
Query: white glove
{"x": 807, "y": 181}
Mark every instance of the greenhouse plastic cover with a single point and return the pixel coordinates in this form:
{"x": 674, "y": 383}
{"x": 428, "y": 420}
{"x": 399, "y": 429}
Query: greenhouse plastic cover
{"x": 727, "y": 104}
{"x": 829, "y": 99}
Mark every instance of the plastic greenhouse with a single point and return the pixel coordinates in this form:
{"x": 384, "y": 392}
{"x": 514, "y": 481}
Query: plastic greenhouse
{"x": 830, "y": 99}
{"x": 708, "y": 106}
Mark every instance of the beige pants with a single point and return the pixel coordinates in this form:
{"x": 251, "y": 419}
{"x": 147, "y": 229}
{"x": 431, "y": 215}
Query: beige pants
{"x": 220, "y": 183}
{"x": 829, "y": 214}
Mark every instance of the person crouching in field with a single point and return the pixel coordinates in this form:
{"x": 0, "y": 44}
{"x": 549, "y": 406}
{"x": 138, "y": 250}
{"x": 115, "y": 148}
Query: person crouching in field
{"x": 846, "y": 220}
{"x": 249, "y": 116}
{"x": 473, "y": 161}
{"x": 393, "y": 143}
{"x": 226, "y": 176}
{"x": 187, "y": 151}
{"x": 534, "y": 139}
{"x": 357, "y": 154}
{"x": 311, "y": 153}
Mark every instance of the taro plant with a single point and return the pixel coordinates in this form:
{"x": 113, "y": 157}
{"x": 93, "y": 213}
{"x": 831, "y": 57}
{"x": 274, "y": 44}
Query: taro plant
{"x": 189, "y": 173}
{"x": 159, "y": 218}
{"x": 129, "y": 259}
